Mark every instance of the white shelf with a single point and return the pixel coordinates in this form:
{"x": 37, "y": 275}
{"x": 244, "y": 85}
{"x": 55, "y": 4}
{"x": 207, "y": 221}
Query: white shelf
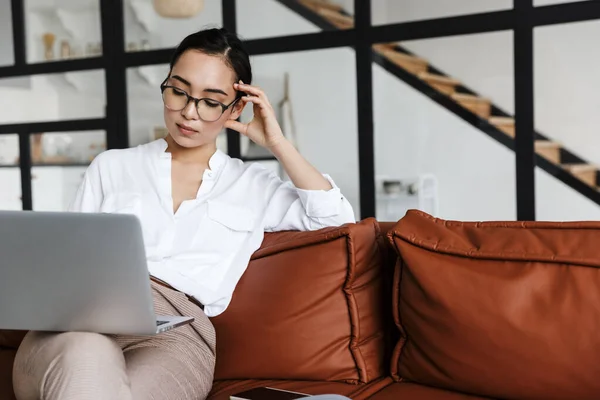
{"x": 144, "y": 14}
{"x": 72, "y": 5}
{"x": 76, "y": 21}
{"x": 86, "y": 82}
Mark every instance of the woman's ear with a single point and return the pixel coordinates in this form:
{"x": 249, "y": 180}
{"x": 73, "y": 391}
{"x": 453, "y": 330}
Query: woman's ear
{"x": 238, "y": 107}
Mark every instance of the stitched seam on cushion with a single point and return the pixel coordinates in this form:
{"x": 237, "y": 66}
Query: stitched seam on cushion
{"x": 498, "y": 256}
{"x": 374, "y": 336}
{"x": 385, "y": 381}
{"x": 513, "y": 225}
{"x": 353, "y": 310}
{"x": 269, "y": 252}
{"x": 403, "y": 340}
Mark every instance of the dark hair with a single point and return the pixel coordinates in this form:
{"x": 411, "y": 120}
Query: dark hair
{"x": 218, "y": 42}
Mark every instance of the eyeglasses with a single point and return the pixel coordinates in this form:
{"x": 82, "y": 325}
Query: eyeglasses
{"x": 209, "y": 110}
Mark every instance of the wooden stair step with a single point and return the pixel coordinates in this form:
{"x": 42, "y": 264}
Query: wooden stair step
{"x": 584, "y": 172}
{"x": 317, "y": 4}
{"x": 549, "y": 150}
{"x": 341, "y": 21}
{"x": 384, "y": 46}
{"x": 505, "y": 124}
{"x": 477, "y": 105}
{"x": 412, "y": 64}
{"x": 444, "y": 84}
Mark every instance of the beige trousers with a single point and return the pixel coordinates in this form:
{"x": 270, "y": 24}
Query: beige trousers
{"x": 178, "y": 364}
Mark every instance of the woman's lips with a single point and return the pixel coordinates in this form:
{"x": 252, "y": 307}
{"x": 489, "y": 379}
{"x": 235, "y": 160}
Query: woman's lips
{"x": 186, "y": 130}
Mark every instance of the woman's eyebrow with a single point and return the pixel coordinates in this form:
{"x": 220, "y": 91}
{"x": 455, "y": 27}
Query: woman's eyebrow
{"x": 180, "y": 79}
{"x": 207, "y": 90}
{"x": 218, "y": 91}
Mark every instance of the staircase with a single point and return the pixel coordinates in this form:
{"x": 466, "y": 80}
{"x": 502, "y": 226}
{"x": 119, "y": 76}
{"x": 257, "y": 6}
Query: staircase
{"x": 449, "y": 92}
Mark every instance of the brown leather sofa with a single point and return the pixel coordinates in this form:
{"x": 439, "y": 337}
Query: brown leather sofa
{"x": 505, "y": 310}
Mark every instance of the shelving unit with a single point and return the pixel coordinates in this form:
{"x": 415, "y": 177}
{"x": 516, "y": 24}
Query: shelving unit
{"x": 76, "y": 21}
{"x": 70, "y": 19}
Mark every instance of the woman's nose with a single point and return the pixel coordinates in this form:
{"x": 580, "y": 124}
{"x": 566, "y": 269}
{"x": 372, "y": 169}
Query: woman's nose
{"x": 190, "y": 111}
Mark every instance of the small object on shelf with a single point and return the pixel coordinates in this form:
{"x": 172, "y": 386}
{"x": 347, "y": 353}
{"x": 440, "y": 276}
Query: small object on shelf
{"x": 9, "y": 150}
{"x": 37, "y": 154}
{"x": 93, "y": 49}
{"x": 76, "y": 51}
{"x": 56, "y": 149}
{"x": 178, "y": 8}
{"x": 49, "y": 39}
{"x": 390, "y": 187}
{"x": 89, "y": 50}
{"x": 65, "y": 49}
{"x": 132, "y": 47}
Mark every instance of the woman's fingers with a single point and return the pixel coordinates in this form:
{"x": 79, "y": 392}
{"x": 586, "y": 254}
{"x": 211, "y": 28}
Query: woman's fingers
{"x": 250, "y": 89}
{"x": 258, "y": 101}
{"x": 236, "y": 126}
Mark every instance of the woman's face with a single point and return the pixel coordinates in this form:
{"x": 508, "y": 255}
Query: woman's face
{"x": 200, "y": 76}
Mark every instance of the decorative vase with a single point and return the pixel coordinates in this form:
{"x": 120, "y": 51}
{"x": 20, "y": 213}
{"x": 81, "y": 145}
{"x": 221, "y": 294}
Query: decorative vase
{"x": 49, "y": 39}
{"x": 178, "y": 8}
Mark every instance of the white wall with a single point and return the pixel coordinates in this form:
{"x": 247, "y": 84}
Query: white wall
{"x": 267, "y": 18}
{"x": 567, "y": 59}
{"x": 394, "y": 11}
{"x": 323, "y": 97}
{"x": 484, "y": 62}
{"x": 415, "y": 136}
{"x": 143, "y": 23}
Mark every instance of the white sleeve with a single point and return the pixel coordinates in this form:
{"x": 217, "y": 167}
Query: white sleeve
{"x": 89, "y": 196}
{"x": 290, "y": 208}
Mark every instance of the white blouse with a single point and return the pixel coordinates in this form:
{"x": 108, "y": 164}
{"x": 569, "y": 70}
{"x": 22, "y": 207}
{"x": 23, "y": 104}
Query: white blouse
{"x": 204, "y": 248}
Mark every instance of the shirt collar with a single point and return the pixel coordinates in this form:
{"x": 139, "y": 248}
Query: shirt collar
{"x": 215, "y": 163}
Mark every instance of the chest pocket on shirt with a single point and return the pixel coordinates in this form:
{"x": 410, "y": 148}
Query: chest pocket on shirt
{"x": 122, "y": 203}
{"x": 225, "y": 227}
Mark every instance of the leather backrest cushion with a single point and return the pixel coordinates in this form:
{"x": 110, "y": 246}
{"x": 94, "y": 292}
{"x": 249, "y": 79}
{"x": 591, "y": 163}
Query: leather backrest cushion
{"x": 309, "y": 307}
{"x": 501, "y": 309}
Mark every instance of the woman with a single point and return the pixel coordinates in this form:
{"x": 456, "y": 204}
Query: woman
{"x": 203, "y": 214}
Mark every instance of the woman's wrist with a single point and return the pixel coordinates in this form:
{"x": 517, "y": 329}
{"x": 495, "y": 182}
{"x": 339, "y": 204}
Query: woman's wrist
{"x": 281, "y": 147}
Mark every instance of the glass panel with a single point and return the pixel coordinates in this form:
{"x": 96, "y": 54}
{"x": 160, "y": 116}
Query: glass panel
{"x": 53, "y": 97}
{"x": 67, "y": 148}
{"x": 317, "y": 111}
{"x": 566, "y": 117}
{"x": 391, "y": 12}
{"x": 145, "y": 106}
{"x": 9, "y": 150}
{"x": 308, "y": 17}
{"x": 7, "y": 55}
{"x": 53, "y": 188}
{"x": 62, "y": 29}
{"x": 148, "y": 24}
{"x": 435, "y": 139}
{"x": 10, "y": 174}
{"x": 10, "y": 189}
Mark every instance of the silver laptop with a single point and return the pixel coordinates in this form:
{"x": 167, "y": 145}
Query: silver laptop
{"x": 76, "y": 272}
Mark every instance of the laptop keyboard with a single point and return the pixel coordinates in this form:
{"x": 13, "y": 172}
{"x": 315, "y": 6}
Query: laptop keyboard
{"x": 159, "y": 323}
